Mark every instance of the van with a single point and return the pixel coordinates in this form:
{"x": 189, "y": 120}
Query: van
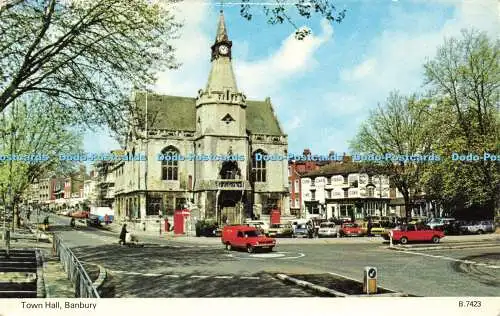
{"x": 246, "y": 237}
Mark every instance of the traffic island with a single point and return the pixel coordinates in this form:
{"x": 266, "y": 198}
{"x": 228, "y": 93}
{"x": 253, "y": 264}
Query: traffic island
{"x": 334, "y": 285}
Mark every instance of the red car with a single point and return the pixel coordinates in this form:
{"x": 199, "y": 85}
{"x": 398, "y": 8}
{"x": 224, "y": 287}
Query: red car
{"x": 350, "y": 229}
{"x": 411, "y": 232}
{"x": 246, "y": 237}
{"x": 80, "y": 214}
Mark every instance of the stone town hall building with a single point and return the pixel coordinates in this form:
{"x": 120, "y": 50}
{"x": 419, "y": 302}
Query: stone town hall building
{"x": 219, "y": 120}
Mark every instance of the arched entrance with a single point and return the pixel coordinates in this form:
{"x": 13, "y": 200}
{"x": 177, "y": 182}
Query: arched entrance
{"x": 231, "y": 208}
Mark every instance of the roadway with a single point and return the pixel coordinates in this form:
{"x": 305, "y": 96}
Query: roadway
{"x": 165, "y": 268}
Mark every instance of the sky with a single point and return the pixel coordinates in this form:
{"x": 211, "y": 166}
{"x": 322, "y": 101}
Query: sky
{"x": 323, "y": 87}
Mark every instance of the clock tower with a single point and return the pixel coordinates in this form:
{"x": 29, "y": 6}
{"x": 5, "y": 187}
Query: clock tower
{"x": 221, "y": 125}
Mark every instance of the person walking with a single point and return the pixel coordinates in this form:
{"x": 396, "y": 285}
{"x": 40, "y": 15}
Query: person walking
{"x": 369, "y": 227}
{"x": 123, "y": 234}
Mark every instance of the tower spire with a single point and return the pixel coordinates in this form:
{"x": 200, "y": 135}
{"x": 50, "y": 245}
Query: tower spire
{"x": 221, "y": 29}
{"x": 221, "y": 77}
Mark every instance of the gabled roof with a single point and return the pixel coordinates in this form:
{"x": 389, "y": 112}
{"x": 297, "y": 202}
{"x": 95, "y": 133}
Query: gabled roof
{"x": 179, "y": 113}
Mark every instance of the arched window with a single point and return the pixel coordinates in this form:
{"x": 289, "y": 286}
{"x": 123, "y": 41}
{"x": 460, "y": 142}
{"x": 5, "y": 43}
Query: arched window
{"x": 258, "y": 167}
{"x": 230, "y": 170}
{"x": 169, "y": 168}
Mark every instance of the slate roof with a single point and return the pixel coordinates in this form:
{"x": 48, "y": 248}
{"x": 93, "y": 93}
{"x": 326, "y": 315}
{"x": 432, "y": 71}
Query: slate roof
{"x": 344, "y": 168}
{"x": 179, "y": 113}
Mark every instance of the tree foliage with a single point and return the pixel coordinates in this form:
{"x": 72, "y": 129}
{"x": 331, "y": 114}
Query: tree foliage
{"x": 400, "y": 128}
{"x": 83, "y": 56}
{"x": 33, "y": 128}
{"x": 280, "y": 12}
{"x": 460, "y": 114}
{"x": 464, "y": 78}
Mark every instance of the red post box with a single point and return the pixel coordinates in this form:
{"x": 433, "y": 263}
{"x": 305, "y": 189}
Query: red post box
{"x": 275, "y": 217}
{"x": 180, "y": 217}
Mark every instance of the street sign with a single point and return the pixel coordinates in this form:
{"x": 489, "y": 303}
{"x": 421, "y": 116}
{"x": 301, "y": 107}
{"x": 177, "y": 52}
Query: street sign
{"x": 372, "y": 273}
{"x": 370, "y": 280}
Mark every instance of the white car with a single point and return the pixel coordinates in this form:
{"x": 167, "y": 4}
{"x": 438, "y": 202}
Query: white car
{"x": 259, "y": 225}
{"x": 328, "y": 230}
{"x": 437, "y": 222}
{"x": 478, "y": 227}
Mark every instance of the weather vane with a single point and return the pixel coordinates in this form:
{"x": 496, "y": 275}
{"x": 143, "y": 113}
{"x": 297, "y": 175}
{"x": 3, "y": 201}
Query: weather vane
{"x": 221, "y": 4}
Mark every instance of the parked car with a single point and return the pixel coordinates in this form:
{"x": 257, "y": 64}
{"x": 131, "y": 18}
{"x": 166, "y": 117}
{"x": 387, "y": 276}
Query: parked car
{"x": 300, "y": 230}
{"x": 205, "y": 228}
{"x": 93, "y": 220}
{"x": 246, "y": 237}
{"x": 280, "y": 230}
{"x": 263, "y": 227}
{"x": 80, "y": 214}
{"x": 377, "y": 228}
{"x": 418, "y": 220}
{"x": 411, "y": 232}
{"x": 436, "y": 222}
{"x": 478, "y": 227}
{"x": 350, "y": 229}
{"x": 328, "y": 229}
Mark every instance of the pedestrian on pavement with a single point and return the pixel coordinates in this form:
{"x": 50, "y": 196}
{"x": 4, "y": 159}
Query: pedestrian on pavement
{"x": 72, "y": 222}
{"x": 369, "y": 227}
{"x": 123, "y": 234}
{"x": 46, "y": 223}
{"x": 106, "y": 219}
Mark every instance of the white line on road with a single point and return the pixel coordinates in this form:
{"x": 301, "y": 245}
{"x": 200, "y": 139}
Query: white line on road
{"x": 170, "y": 275}
{"x": 134, "y": 273}
{"x": 451, "y": 259}
{"x": 223, "y": 277}
{"x": 250, "y": 278}
{"x": 199, "y": 276}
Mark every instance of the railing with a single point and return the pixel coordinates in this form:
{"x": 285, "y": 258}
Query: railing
{"x": 76, "y": 273}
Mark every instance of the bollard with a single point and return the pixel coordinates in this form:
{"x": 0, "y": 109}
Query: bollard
{"x": 390, "y": 240}
{"x": 370, "y": 280}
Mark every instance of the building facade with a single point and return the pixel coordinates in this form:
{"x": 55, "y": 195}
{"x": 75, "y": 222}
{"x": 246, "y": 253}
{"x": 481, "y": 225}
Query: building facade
{"x": 346, "y": 190}
{"x": 202, "y": 152}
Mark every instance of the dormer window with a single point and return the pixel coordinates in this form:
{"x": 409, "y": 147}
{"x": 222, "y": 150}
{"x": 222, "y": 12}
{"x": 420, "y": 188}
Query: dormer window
{"x": 228, "y": 119}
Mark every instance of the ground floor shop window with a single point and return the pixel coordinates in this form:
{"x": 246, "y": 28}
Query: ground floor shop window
{"x": 154, "y": 206}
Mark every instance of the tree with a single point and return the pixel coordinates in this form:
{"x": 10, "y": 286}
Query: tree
{"x": 401, "y": 129}
{"x": 83, "y": 56}
{"x": 33, "y": 137}
{"x": 278, "y": 13}
{"x": 464, "y": 79}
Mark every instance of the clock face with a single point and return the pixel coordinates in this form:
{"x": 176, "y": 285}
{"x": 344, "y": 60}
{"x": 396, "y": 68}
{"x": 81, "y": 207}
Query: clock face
{"x": 223, "y": 49}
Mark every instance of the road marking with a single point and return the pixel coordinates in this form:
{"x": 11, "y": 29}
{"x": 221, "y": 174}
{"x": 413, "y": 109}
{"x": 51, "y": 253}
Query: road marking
{"x": 277, "y": 255}
{"x": 200, "y": 276}
{"x": 223, "y": 277}
{"x": 134, "y": 273}
{"x": 171, "y": 275}
{"x": 268, "y": 255}
{"x": 176, "y": 246}
{"x": 250, "y": 278}
{"x": 204, "y": 246}
{"x": 299, "y": 256}
{"x": 452, "y": 259}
